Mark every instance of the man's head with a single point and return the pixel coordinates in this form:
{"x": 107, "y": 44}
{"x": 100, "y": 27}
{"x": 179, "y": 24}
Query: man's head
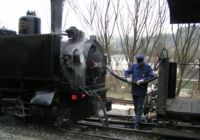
{"x": 140, "y": 58}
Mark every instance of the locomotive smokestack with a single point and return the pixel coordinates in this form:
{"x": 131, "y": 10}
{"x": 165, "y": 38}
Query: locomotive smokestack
{"x": 56, "y": 15}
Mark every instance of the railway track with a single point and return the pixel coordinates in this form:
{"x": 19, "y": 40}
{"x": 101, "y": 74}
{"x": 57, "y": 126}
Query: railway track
{"x": 92, "y": 129}
{"x": 122, "y": 129}
{"x": 125, "y": 123}
{"x": 149, "y": 129}
{"x": 116, "y": 131}
{"x": 91, "y": 136}
{"x": 171, "y": 129}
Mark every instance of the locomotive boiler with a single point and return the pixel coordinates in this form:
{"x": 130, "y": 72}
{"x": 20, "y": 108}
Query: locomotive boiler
{"x": 45, "y": 77}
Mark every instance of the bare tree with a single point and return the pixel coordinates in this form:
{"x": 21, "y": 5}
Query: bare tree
{"x": 100, "y": 18}
{"x": 106, "y": 24}
{"x": 186, "y": 41}
{"x": 143, "y": 27}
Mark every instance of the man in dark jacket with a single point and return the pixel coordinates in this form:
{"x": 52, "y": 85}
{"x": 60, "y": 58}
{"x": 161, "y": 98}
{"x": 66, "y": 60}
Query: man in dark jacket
{"x": 141, "y": 72}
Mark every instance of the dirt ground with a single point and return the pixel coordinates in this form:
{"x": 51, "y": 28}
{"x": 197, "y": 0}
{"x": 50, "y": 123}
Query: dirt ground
{"x": 12, "y": 128}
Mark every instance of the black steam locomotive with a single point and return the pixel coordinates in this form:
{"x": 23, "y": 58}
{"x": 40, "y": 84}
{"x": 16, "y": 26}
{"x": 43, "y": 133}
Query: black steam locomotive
{"x": 43, "y": 76}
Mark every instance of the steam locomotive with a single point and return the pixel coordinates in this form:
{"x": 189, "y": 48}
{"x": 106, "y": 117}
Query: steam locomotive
{"x": 43, "y": 76}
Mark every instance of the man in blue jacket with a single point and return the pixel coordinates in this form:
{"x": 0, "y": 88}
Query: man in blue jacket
{"x": 141, "y": 72}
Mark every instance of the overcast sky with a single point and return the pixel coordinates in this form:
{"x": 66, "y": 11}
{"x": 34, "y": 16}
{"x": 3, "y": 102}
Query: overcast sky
{"x": 12, "y": 10}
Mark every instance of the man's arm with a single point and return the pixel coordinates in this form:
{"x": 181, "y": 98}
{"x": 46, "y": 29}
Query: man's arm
{"x": 128, "y": 72}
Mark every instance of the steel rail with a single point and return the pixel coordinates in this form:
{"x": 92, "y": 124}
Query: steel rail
{"x": 120, "y": 128}
{"x": 97, "y": 136}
